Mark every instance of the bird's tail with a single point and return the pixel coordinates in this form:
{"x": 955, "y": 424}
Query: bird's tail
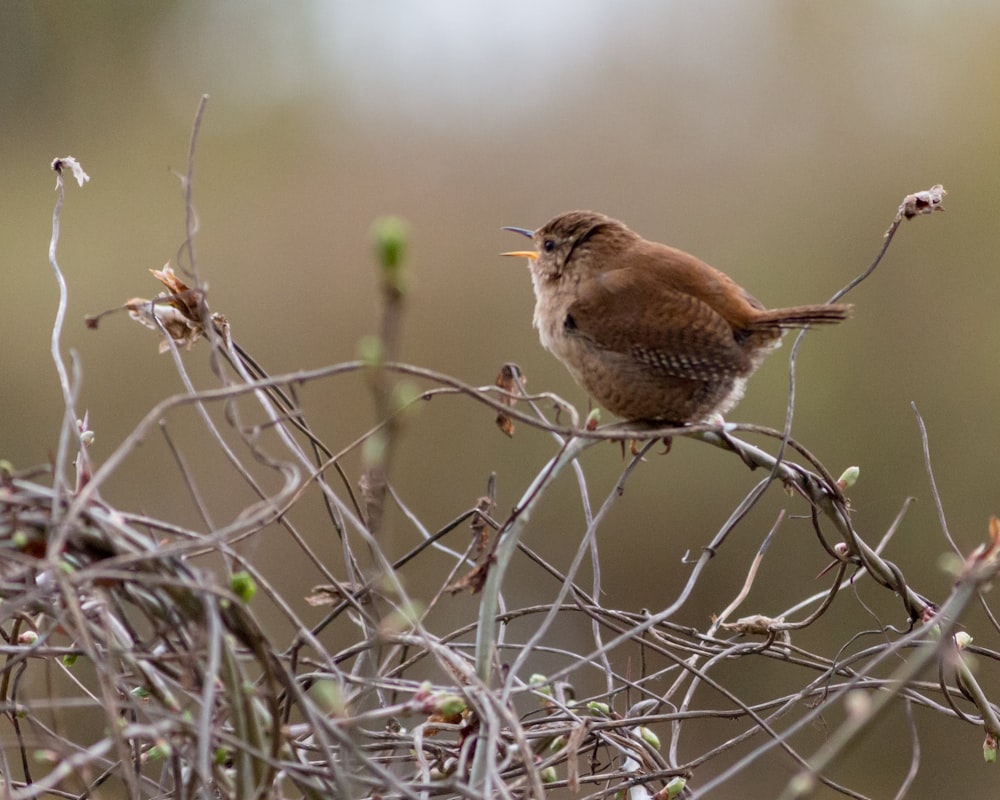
{"x": 803, "y": 316}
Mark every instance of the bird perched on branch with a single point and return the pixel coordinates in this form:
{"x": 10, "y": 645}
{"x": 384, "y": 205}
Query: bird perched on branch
{"x": 651, "y": 332}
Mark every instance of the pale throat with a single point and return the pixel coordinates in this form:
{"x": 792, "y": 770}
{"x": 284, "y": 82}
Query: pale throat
{"x": 554, "y": 293}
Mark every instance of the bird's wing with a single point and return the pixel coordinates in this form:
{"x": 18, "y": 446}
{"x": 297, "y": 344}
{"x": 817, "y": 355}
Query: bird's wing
{"x": 662, "y": 328}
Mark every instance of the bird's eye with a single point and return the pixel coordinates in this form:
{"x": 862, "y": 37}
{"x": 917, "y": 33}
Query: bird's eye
{"x": 549, "y": 245}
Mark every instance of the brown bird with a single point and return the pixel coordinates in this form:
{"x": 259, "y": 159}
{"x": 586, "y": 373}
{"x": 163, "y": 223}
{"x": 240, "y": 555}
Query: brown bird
{"x": 651, "y": 332}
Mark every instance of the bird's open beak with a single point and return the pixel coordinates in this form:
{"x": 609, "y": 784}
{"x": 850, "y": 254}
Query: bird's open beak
{"x": 521, "y": 253}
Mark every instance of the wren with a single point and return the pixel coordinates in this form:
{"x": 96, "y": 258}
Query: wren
{"x": 652, "y": 333}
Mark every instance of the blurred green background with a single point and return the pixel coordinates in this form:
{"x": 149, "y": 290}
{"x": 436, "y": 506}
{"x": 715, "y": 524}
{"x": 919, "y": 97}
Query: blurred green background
{"x": 773, "y": 139}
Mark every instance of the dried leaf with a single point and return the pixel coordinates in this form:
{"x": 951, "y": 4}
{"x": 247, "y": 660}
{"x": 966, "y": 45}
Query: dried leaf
{"x": 484, "y": 506}
{"x": 757, "y": 624}
{"x": 327, "y": 594}
{"x": 177, "y": 310}
{"x": 70, "y": 163}
{"x": 510, "y": 380}
{"x": 473, "y": 580}
{"x": 925, "y": 202}
{"x": 505, "y": 424}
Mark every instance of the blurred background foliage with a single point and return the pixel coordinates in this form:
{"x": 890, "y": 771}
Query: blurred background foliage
{"x": 773, "y": 139}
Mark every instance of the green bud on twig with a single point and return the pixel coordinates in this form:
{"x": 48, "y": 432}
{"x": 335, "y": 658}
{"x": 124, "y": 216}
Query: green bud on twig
{"x": 158, "y": 752}
{"x": 448, "y": 705}
{"x": 389, "y": 235}
{"x": 404, "y": 395}
{"x": 243, "y": 586}
{"x": 599, "y": 709}
{"x": 649, "y": 737}
{"x": 370, "y": 350}
{"x": 849, "y": 477}
{"x": 373, "y": 449}
{"x": 329, "y": 696}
